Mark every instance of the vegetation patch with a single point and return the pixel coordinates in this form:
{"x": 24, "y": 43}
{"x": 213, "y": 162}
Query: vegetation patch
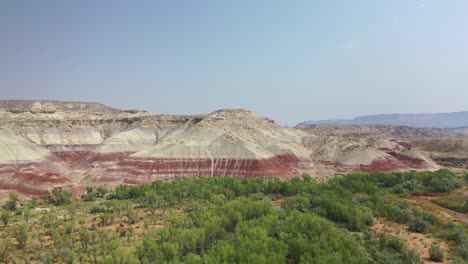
{"x": 229, "y": 220}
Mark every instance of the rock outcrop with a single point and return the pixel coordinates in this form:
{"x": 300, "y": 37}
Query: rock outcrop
{"x": 49, "y": 144}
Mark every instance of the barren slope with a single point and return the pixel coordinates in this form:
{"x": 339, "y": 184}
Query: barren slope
{"x": 70, "y": 144}
{"x": 29, "y": 168}
{"x": 449, "y": 152}
{"x": 227, "y": 142}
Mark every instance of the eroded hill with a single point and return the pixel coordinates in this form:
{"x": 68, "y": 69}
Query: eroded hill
{"x": 48, "y": 144}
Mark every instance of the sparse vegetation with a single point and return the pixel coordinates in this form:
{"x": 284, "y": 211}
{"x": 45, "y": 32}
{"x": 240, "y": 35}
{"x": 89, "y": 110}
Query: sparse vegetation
{"x": 228, "y": 220}
{"x": 418, "y": 225}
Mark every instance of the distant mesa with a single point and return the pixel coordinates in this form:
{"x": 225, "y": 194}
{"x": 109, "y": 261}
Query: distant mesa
{"x": 438, "y": 120}
{"x": 73, "y": 144}
{"x": 48, "y": 106}
{"x": 399, "y": 132}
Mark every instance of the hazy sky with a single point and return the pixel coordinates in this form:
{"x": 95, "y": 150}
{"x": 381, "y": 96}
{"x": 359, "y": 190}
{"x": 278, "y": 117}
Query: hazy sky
{"x": 288, "y": 60}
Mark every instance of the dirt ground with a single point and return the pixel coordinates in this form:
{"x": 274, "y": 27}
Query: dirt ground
{"x": 418, "y": 242}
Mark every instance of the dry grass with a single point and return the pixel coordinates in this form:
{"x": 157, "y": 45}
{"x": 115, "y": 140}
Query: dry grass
{"x": 418, "y": 242}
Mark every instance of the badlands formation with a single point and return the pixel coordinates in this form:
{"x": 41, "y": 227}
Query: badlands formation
{"x": 46, "y": 144}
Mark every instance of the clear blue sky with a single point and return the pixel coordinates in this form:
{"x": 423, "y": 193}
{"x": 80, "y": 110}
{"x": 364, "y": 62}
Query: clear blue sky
{"x": 288, "y": 60}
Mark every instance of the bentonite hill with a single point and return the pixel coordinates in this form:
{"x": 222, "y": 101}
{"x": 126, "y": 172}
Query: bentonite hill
{"x": 46, "y": 144}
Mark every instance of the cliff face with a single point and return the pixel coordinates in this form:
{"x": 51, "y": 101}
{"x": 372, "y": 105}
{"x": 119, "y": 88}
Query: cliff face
{"x": 49, "y": 144}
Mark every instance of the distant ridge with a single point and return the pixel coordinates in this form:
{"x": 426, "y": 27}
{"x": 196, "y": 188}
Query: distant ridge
{"x": 437, "y": 120}
{"x": 49, "y": 106}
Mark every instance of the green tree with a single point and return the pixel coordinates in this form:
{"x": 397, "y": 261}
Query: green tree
{"x": 6, "y": 217}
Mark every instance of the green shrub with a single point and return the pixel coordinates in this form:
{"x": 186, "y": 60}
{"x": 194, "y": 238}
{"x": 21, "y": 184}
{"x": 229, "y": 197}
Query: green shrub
{"x": 90, "y": 194}
{"x": 12, "y": 202}
{"x": 458, "y": 235}
{"x": 106, "y": 218}
{"x": 22, "y": 235}
{"x": 462, "y": 251}
{"x": 418, "y": 225}
{"x": 61, "y": 196}
{"x": 97, "y": 208}
{"x": 6, "y": 217}
{"x": 436, "y": 253}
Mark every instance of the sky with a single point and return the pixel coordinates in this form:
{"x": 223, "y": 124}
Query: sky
{"x": 287, "y": 60}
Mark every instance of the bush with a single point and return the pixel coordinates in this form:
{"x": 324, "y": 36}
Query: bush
{"x": 395, "y": 243}
{"x": 462, "y": 252}
{"x": 464, "y": 209}
{"x": 418, "y": 225}
{"x": 436, "y": 253}
{"x": 442, "y": 181}
{"x": 458, "y": 236}
{"x": 6, "y": 217}
{"x": 12, "y": 202}
{"x": 22, "y": 235}
{"x": 97, "y": 209}
{"x": 61, "y": 196}
{"x": 90, "y": 194}
{"x": 106, "y": 219}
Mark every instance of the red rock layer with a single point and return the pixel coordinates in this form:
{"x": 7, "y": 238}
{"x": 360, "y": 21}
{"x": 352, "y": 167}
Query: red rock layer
{"x": 135, "y": 171}
{"x": 411, "y": 162}
{"x": 399, "y": 163}
{"x": 94, "y": 159}
{"x": 34, "y": 178}
{"x": 71, "y": 154}
{"x": 294, "y": 161}
{"x": 376, "y": 165}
